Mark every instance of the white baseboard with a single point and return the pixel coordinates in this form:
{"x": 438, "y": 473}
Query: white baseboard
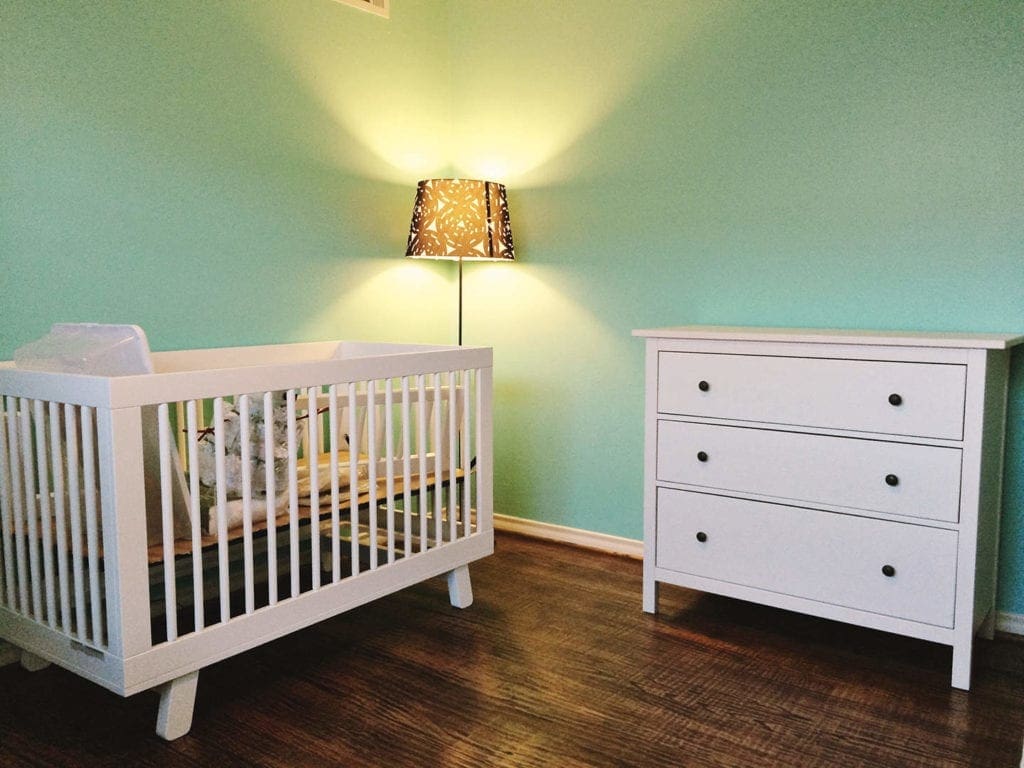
{"x": 1011, "y": 623}
{"x": 603, "y": 542}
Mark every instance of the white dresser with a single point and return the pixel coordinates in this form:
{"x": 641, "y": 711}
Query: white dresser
{"x": 850, "y": 475}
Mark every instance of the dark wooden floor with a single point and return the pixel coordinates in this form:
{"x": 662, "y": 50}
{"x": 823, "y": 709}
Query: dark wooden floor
{"x": 553, "y": 665}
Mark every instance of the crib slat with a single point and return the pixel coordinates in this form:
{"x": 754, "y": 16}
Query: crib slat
{"x": 312, "y": 459}
{"x": 220, "y": 474}
{"x": 354, "y": 441}
{"x": 31, "y": 515}
{"x": 479, "y": 444}
{"x": 389, "y": 466}
{"x": 75, "y": 515}
{"x": 21, "y": 556}
{"x": 271, "y": 479}
{"x": 60, "y": 516}
{"x": 438, "y": 461}
{"x": 371, "y": 457}
{"x": 45, "y": 517}
{"x": 466, "y": 431}
{"x": 246, "y": 457}
{"x": 293, "y": 495}
{"x": 92, "y": 521}
{"x": 179, "y": 420}
{"x": 453, "y": 455}
{"x": 192, "y": 440}
{"x": 6, "y": 504}
{"x": 167, "y": 521}
{"x": 449, "y": 455}
{"x": 406, "y": 471}
{"x": 421, "y": 437}
{"x": 332, "y": 419}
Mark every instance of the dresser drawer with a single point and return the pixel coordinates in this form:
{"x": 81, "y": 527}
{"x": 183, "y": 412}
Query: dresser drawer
{"x": 913, "y": 480}
{"x": 823, "y": 556}
{"x": 816, "y": 392}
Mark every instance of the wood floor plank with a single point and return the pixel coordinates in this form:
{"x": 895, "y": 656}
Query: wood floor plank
{"x": 554, "y": 664}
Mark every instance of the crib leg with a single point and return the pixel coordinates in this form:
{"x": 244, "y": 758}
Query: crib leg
{"x": 177, "y": 700}
{"x": 33, "y": 663}
{"x": 460, "y": 589}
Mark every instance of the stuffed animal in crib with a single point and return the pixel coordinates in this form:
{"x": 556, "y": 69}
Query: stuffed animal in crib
{"x": 232, "y": 431}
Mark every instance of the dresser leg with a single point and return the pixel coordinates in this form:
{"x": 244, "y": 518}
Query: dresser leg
{"x": 651, "y": 591}
{"x": 962, "y": 666}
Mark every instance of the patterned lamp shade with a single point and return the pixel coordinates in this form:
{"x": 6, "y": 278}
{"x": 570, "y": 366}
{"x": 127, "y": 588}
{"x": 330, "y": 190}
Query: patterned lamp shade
{"x": 460, "y": 219}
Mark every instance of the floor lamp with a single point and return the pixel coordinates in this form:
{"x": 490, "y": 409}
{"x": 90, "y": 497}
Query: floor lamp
{"x": 460, "y": 220}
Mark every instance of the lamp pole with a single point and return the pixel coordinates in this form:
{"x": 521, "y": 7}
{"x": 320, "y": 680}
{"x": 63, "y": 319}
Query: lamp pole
{"x": 460, "y": 301}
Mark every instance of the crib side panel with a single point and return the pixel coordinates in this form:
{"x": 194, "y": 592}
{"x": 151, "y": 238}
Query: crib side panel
{"x": 306, "y": 500}
{"x": 67, "y": 513}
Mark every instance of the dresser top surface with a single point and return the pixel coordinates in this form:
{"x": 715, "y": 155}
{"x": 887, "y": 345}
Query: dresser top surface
{"x": 833, "y": 336}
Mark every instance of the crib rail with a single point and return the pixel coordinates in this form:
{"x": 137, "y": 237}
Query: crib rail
{"x": 140, "y": 511}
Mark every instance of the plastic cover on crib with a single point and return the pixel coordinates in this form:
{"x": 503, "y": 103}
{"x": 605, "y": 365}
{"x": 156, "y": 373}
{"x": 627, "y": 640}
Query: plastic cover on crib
{"x": 94, "y": 349}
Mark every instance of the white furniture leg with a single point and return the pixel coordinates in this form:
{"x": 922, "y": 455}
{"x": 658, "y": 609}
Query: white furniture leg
{"x": 652, "y": 591}
{"x": 460, "y": 589}
{"x": 962, "y": 665}
{"x": 33, "y": 663}
{"x": 177, "y": 700}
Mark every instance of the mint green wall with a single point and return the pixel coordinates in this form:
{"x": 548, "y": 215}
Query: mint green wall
{"x": 239, "y": 172}
{"x": 830, "y": 164}
{"x": 217, "y": 172}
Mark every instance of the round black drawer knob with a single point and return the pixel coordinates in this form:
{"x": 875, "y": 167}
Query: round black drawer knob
{"x": 895, "y": 399}
{"x": 888, "y": 570}
{"x": 702, "y": 537}
{"x": 703, "y": 386}
{"x": 701, "y": 456}
{"x": 892, "y": 480}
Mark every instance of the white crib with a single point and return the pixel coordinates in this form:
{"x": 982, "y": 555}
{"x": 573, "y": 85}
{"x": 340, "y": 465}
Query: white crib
{"x": 120, "y": 562}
